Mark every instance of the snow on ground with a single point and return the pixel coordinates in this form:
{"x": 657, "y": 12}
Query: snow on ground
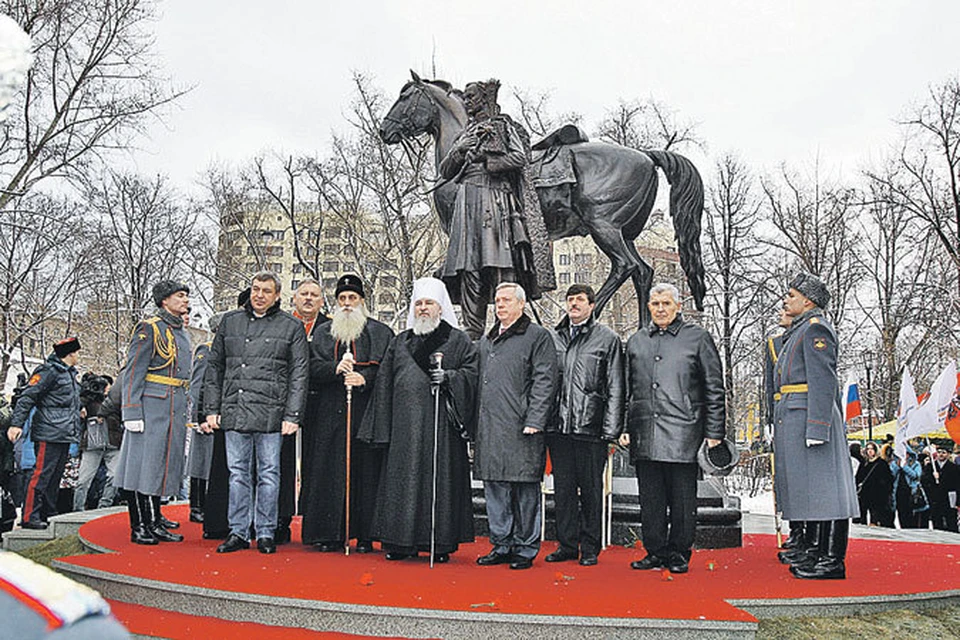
{"x": 761, "y": 503}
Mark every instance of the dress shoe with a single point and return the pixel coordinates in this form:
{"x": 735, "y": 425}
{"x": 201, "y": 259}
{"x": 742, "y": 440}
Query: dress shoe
{"x": 522, "y": 563}
{"x": 826, "y": 569}
{"x": 167, "y": 524}
{"x": 329, "y": 547}
{"x": 364, "y": 546}
{"x": 233, "y": 543}
{"x": 142, "y": 535}
{"x": 266, "y": 545}
{"x": 161, "y": 534}
{"x": 792, "y": 556}
{"x": 493, "y": 558}
{"x": 562, "y": 555}
{"x": 397, "y": 555}
{"x": 215, "y": 535}
{"x": 196, "y": 515}
{"x": 678, "y": 564}
{"x": 650, "y": 562}
{"x": 34, "y": 524}
{"x": 588, "y": 561}
{"x": 282, "y": 535}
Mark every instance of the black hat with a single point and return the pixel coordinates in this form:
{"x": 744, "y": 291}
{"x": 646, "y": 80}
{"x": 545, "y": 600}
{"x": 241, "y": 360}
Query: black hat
{"x": 812, "y": 287}
{"x": 350, "y": 282}
{"x": 166, "y": 288}
{"x": 66, "y": 346}
{"x": 719, "y": 460}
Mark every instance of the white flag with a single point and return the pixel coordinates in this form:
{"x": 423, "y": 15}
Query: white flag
{"x": 906, "y": 408}
{"x": 932, "y": 414}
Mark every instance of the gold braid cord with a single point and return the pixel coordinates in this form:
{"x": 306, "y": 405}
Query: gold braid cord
{"x": 165, "y": 349}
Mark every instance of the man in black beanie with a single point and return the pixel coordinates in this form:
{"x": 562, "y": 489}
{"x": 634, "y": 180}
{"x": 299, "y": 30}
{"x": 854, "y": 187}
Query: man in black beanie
{"x": 55, "y": 393}
{"x": 156, "y": 381}
{"x": 814, "y": 478}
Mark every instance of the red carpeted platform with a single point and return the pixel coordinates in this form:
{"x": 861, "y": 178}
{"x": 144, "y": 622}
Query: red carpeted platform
{"x": 609, "y": 590}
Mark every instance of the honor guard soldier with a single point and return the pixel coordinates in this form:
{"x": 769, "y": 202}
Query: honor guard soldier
{"x": 156, "y": 381}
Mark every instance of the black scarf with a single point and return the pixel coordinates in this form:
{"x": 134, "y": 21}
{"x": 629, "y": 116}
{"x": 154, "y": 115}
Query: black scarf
{"x": 422, "y": 347}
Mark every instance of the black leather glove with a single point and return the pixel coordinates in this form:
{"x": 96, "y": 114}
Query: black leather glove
{"x": 438, "y": 377}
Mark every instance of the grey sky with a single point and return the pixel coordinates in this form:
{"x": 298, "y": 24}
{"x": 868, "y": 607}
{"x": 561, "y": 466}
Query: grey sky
{"x": 771, "y": 79}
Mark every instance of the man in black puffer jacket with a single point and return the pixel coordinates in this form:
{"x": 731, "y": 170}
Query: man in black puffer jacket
{"x": 54, "y": 392}
{"x": 255, "y": 390}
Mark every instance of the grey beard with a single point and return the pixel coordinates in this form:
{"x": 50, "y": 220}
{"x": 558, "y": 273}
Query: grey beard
{"x": 347, "y": 327}
{"x": 422, "y": 326}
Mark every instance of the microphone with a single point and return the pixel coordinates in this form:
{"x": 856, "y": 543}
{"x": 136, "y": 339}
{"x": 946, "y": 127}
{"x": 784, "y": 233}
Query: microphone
{"x": 436, "y": 364}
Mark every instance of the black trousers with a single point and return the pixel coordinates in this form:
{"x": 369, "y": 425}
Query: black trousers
{"x": 943, "y": 517}
{"x": 41, "y": 499}
{"x": 668, "y": 506}
{"x": 218, "y": 490}
{"x": 578, "y": 492}
{"x": 288, "y": 481}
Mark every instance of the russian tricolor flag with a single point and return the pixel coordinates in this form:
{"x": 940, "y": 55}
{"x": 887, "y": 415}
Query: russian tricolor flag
{"x": 851, "y": 401}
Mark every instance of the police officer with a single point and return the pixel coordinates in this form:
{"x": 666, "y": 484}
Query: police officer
{"x": 155, "y": 380}
{"x": 814, "y": 477}
{"x": 55, "y": 394}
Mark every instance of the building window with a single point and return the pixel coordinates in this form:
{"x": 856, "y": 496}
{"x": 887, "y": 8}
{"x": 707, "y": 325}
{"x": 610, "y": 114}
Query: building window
{"x": 564, "y": 278}
{"x": 330, "y": 283}
{"x": 386, "y": 316}
{"x": 582, "y": 277}
{"x": 296, "y": 269}
{"x": 332, "y": 232}
{"x": 294, "y": 285}
{"x": 564, "y": 259}
{"x": 331, "y": 265}
{"x": 388, "y": 281}
{"x": 583, "y": 258}
{"x": 330, "y": 249}
{"x": 276, "y": 267}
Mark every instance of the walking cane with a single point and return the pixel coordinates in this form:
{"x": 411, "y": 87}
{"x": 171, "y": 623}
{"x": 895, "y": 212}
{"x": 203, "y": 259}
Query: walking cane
{"x": 436, "y": 359}
{"x": 346, "y": 509}
{"x": 777, "y": 523}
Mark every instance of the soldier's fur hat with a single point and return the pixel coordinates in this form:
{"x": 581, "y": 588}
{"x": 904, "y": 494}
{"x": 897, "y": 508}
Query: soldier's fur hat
{"x": 719, "y": 460}
{"x": 66, "y": 346}
{"x": 166, "y": 288}
{"x": 812, "y": 287}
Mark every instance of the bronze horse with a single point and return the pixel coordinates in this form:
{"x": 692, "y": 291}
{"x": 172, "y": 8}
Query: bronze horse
{"x": 611, "y": 200}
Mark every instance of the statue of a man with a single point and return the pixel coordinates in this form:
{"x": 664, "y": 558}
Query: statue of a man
{"x": 489, "y": 243}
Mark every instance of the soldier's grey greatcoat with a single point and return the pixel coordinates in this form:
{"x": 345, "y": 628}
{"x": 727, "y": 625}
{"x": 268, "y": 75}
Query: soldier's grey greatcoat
{"x": 522, "y": 359}
{"x": 155, "y": 388}
{"x": 201, "y": 444}
{"x": 815, "y": 482}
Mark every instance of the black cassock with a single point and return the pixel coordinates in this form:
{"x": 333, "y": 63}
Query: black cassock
{"x": 323, "y": 464}
{"x": 401, "y": 417}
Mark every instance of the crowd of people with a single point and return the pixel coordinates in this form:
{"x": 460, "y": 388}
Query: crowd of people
{"x": 919, "y": 491}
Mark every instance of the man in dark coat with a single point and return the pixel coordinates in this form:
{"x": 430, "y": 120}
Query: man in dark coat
{"x": 814, "y": 475}
{"x": 588, "y": 418}
{"x": 346, "y": 351}
{"x": 255, "y": 391}
{"x": 518, "y": 381}
{"x": 200, "y": 457}
{"x": 99, "y": 442}
{"x": 401, "y": 417}
{"x": 55, "y": 394}
{"x": 155, "y": 386}
{"x": 675, "y": 401}
{"x": 941, "y": 477}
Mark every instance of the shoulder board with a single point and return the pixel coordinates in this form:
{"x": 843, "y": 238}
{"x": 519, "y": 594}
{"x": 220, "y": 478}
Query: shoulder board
{"x": 814, "y": 320}
{"x": 152, "y": 320}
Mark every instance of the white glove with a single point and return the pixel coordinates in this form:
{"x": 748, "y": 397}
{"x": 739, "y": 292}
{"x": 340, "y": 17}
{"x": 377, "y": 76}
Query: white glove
{"x": 135, "y": 426}
{"x": 813, "y": 443}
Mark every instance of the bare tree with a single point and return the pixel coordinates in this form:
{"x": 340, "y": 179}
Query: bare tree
{"x": 740, "y": 294}
{"x": 647, "y": 124}
{"x": 92, "y": 88}
{"x": 534, "y": 112}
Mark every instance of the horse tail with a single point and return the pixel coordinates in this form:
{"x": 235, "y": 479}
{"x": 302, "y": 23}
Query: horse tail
{"x": 686, "y": 208}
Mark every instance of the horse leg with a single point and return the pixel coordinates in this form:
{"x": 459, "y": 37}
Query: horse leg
{"x": 642, "y": 283}
{"x": 612, "y": 243}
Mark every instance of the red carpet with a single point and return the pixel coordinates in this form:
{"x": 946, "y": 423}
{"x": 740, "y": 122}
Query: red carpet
{"x": 610, "y": 589}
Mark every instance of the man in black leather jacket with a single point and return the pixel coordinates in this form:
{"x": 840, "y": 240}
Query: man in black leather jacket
{"x": 675, "y": 400}
{"x": 589, "y": 417}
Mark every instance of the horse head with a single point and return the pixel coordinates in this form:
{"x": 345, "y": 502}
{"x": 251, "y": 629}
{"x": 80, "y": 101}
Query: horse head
{"x": 418, "y": 109}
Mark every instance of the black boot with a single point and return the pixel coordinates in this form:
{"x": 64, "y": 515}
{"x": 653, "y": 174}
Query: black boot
{"x": 139, "y": 534}
{"x": 198, "y": 491}
{"x": 807, "y": 548}
{"x": 158, "y": 517}
{"x": 795, "y": 538}
{"x": 151, "y": 505}
{"x": 831, "y": 564}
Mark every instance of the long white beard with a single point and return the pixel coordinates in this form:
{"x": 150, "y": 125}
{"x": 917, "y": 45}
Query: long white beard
{"x": 347, "y": 326}
{"x": 424, "y": 325}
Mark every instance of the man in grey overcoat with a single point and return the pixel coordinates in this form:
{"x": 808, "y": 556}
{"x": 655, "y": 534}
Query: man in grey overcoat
{"x": 154, "y": 402}
{"x": 518, "y": 380}
{"x": 814, "y": 477}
